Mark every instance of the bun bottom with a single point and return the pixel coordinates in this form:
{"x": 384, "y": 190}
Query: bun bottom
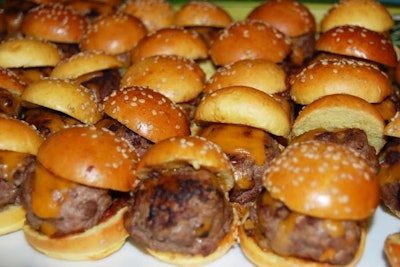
{"x": 179, "y": 259}
{"x": 260, "y": 257}
{"x": 12, "y": 219}
{"x": 96, "y": 243}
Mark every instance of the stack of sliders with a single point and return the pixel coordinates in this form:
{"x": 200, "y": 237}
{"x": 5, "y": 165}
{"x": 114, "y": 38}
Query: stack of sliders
{"x": 199, "y": 131}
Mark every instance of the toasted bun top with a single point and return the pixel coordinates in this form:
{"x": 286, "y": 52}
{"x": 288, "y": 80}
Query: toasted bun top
{"x": 155, "y": 14}
{"x": 392, "y": 248}
{"x": 359, "y": 42}
{"x": 340, "y": 76}
{"x": 92, "y": 9}
{"x": 147, "y": 112}
{"x": 393, "y": 127}
{"x": 202, "y": 13}
{"x": 249, "y": 39}
{"x": 370, "y": 14}
{"x": 324, "y": 180}
{"x": 18, "y": 136}
{"x": 27, "y": 52}
{"x": 244, "y": 105}
{"x": 83, "y": 63}
{"x": 108, "y": 33}
{"x": 171, "y": 41}
{"x": 193, "y": 150}
{"x": 48, "y": 21}
{"x": 261, "y": 74}
{"x": 288, "y": 16}
{"x": 65, "y": 96}
{"x": 90, "y": 156}
{"x": 178, "y": 78}
{"x": 341, "y": 111}
{"x": 10, "y": 81}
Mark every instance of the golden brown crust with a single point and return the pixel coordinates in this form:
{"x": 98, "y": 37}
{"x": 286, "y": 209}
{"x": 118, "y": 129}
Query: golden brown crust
{"x": 348, "y": 188}
{"x": 171, "y": 41}
{"x": 90, "y": 156}
{"x": 370, "y": 14}
{"x": 261, "y": 74}
{"x": 392, "y": 249}
{"x": 288, "y": 16}
{"x": 176, "y": 77}
{"x": 95, "y": 243}
{"x": 359, "y": 42}
{"x": 193, "y": 150}
{"x": 340, "y": 76}
{"x": 243, "y": 38}
{"x": 247, "y": 106}
{"x": 12, "y": 218}
{"x": 147, "y": 112}
{"x": 10, "y": 81}
{"x": 47, "y": 21}
{"x": 393, "y": 127}
{"x": 341, "y": 111}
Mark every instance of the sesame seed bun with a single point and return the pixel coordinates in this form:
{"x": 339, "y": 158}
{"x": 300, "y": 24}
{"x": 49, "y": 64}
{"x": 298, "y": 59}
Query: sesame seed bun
{"x": 83, "y": 63}
{"x": 147, "y": 112}
{"x": 47, "y": 21}
{"x": 64, "y": 96}
{"x": 393, "y": 127}
{"x": 176, "y": 77}
{"x": 27, "y": 52}
{"x": 171, "y": 41}
{"x": 249, "y": 39}
{"x": 340, "y": 111}
{"x": 370, "y": 14}
{"x": 358, "y": 42}
{"x": 247, "y": 106}
{"x": 260, "y": 74}
{"x": 290, "y": 17}
{"x": 92, "y": 8}
{"x": 11, "y": 89}
{"x": 348, "y": 188}
{"x": 91, "y": 156}
{"x": 95, "y": 243}
{"x": 392, "y": 249}
{"x": 202, "y": 13}
{"x": 155, "y": 14}
{"x": 108, "y": 34}
{"x": 10, "y": 81}
{"x": 340, "y": 76}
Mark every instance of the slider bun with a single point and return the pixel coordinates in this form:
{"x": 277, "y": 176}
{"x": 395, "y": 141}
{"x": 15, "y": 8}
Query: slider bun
{"x": 11, "y": 82}
{"x": 171, "y": 41}
{"x": 358, "y": 42}
{"x": 95, "y": 243}
{"x": 12, "y": 218}
{"x": 392, "y": 249}
{"x": 64, "y": 96}
{"x": 340, "y": 76}
{"x": 323, "y": 180}
{"x": 83, "y": 63}
{"x": 90, "y": 156}
{"x": 147, "y": 113}
{"x": 193, "y": 150}
{"x": 261, "y": 74}
{"x": 247, "y": 106}
{"x": 370, "y": 14}
{"x": 176, "y": 77}
{"x": 48, "y": 21}
{"x": 393, "y": 127}
{"x": 340, "y": 111}
{"x": 248, "y": 39}
{"x": 27, "y": 52}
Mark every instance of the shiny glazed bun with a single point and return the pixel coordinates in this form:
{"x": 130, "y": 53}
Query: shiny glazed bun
{"x": 393, "y": 127}
{"x": 147, "y": 112}
{"x": 11, "y": 89}
{"x": 290, "y": 17}
{"x": 65, "y": 96}
{"x": 358, "y": 42}
{"x": 48, "y": 21}
{"x": 27, "y": 52}
{"x": 95, "y": 157}
{"x": 340, "y": 76}
{"x": 178, "y": 78}
{"x": 392, "y": 249}
{"x": 155, "y": 14}
{"x": 171, "y": 41}
{"x": 244, "y": 105}
{"x": 249, "y": 39}
{"x": 370, "y": 14}
{"x": 340, "y": 111}
{"x": 261, "y": 74}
